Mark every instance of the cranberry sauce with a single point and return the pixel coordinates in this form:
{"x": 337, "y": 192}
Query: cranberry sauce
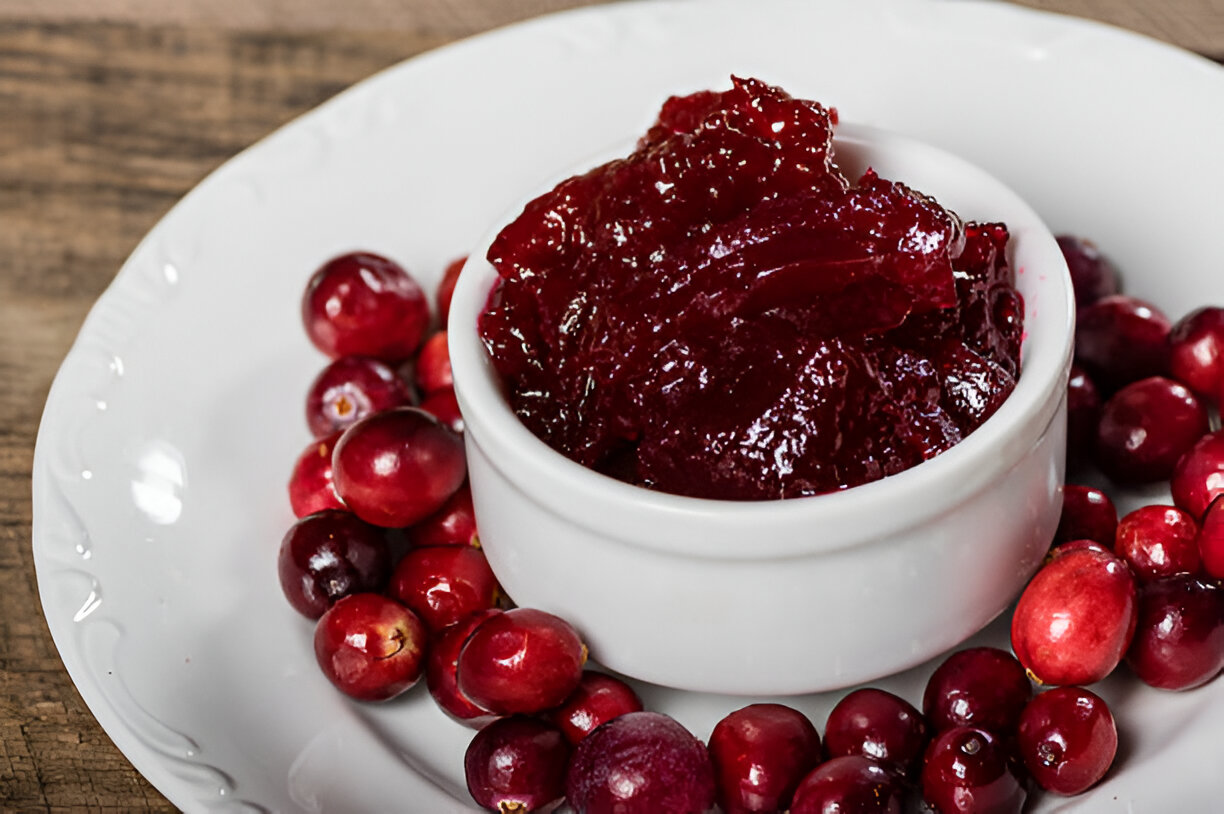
{"x": 722, "y": 314}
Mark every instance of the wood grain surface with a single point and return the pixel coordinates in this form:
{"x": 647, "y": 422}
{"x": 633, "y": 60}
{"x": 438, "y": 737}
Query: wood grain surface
{"x": 111, "y": 110}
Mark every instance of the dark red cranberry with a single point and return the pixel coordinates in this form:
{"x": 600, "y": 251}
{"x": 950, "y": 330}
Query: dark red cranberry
{"x": 760, "y": 753}
{"x": 599, "y": 698}
{"x": 980, "y": 686}
{"x": 446, "y": 290}
{"x": 521, "y": 661}
{"x": 1198, "y": 477}
{"x": 878, "y": 725}
{"x": 969, "y": 770}
{"x": 1087, "y": 514}
{"x": 1083, "y": 414}
{"x": 1196, "y": 351}
{"x": 370, "y": 647}
{"x": 395, "y": 468}
{"x": 361, "y": 304}
{"x": 453, "y": 524}
{"x": 328, "y": 555}
{"x": 441, "y": 664}
{"x": 517, "y": 765}
{"x": 1076, "y": 618}
{"x": 348, "y": 390}
{"x": 849, "y": 783}
{"x": 433, "y": 365}
{"x": 443, "y": 406}
{"x": 1067, "y": 739}
{"x": 1120, "y": 339}
{"x": 1211, "y": 540}
{"x": 445, "y": 583}
{"x": 1158, "y": 541}
{"x": 640, "y": 763}
{"x": 1179, "y": 639}
{"x": 1145, "y": 428}
{"x": 1092, "y": 276}
{"x": 310, "y": 486}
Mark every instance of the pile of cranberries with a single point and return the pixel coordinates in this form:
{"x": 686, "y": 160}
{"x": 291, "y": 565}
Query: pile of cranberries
{"x": 385, "y": 556}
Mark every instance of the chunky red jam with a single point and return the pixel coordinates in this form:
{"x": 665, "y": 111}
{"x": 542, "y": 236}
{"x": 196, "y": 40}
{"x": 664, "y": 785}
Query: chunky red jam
{"x": 722, "y": 314}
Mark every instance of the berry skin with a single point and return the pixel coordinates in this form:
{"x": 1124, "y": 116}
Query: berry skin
{"x": 1067, "y": 739}
{"x": 849, "y": 783}
{"x": 1158, "y": 541}
{"x": 311, "y": 488}
{"x": 1179, "y": 638}
{"x": 878, "y": 725}
{"x": 980, "y": 686}
{"x": 1087, "y": 514}
{"x": 517, "y": 765}
{"x": 348, "y": 390}
{"x": 370, "y": 647}
{"x": 760, "y": 753}
{"x": 598, "y": 699}
{"x": 329, "y": 555}
{"x": 968, "y": 771}
{"x": 1145, "y": 428}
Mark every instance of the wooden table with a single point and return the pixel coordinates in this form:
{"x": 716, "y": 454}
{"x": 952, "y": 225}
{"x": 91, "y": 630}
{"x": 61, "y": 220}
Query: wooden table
{"x": 110, "y": 110}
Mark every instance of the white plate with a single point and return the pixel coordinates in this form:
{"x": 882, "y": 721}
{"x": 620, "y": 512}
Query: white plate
{"x": 159, "y": 476}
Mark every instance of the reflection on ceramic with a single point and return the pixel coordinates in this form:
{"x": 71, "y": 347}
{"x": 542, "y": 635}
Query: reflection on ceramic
{"x": 186, "y": 652}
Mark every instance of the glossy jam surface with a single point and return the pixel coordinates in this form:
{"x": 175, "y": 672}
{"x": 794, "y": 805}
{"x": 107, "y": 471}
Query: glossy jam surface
{"x": 722, "y": 314}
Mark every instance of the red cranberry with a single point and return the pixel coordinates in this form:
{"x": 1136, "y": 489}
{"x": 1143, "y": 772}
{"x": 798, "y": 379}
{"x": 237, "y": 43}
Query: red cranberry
{"x": 1196, "y": 351}
{"x": 981, "y": 686}
{"x": 361, "y": 304}
{"x": 1145, "y": 428}
{"x": 1120, "y": 339}
{"x": 1179, "y": 639}
{"x": 443, "y": 406}
{"x": 1211, "y": 540}
{"x": 453, "y": 524}
{"x": 446, "y": 290}
{"x": 433, "y": 365}
{"x": 878, "y": 725}
{"x": 328, "y": 555}
{"x": 1067, "y": 739}
{"x": 1087, "y": 514}
{"x": 1092, "y": 276}
{"x": 1158, "y": 541}
{"x": 1198, "y": 477}
{"x": 1083, "y": 414}
{"x": 348, "y": 390}
{"x": 969, "y": 770}
{"x": 445, "y": 583}
{"x": 517, "y": 765}
{"x": 310, "y": 486}
{"x": 1078, "y": 545}
{"x": 599, "y": 698}
{"x": 370, "y": 647}
{"x": 521, "y": 661}
{"x": 395, "y": 468}
{"x": 1075, "y": 619}
{"x": 760, "y": 753}
{"x": 440, "y": 671}
{"x": 849, "y": 783}
{"x": 640, "y": 763}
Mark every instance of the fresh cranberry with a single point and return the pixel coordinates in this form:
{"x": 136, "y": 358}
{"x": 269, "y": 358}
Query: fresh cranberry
{"x": 370, "y": 647}
{"x": 760, "y": 753}
{"x": 521, "y": 661}
{"x": 453, "y": 524}
{"x": 517, "y": 765}
{"x": 348, "y": 390}
{"x": 445, "y": 583}
{"x": 1067, "y": 739}
{"x": 361, "y": 304}
{"x": 981, "y": 686}
{"x": 1145, "y": 428}
{"x": 397, "y": 467}
{"x": 640, "y": 763}
{"x": 1083, "y": 414}
{"x": 1092, "y": 276}
{"x": 1120, "y": 339}
{"x": 849, "y": 783}
{"x": 446, "y": 289}
{"x": 1158, "y": 541}
{"x": 433, "y": 366}
{"x": 310, "y": 486}
{"x": 1211, "y": 540}
{"x": 1198, "y": 477}
{"x": 1076, "y": 618}
{"x": 599, "y": 698}
{"x": 328, "y": 555}
{"x": 1179, "y": 638}
{"x": 1196, "y": 351}
{"x": 968, "y": 770}
{"x": 440, "y": 671}
{"x": 443, "y": 406}
{"x": 1087, "y": 514}
{"x": 878, "y": 725}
